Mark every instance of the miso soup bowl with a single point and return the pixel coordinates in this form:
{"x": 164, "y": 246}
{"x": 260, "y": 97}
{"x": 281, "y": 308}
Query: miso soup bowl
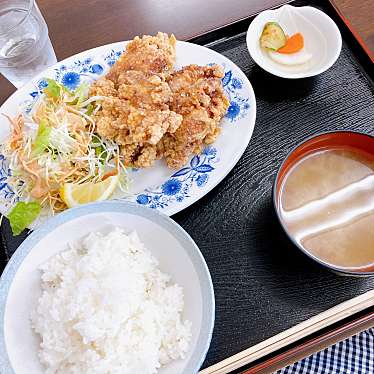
{"x": 327, "y": 140}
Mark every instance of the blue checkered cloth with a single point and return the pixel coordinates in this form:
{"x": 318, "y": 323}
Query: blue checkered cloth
{"x": 352, "y": 356}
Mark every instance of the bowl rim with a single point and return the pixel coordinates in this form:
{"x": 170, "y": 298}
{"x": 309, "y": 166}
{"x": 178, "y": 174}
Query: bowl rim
{"x": 299, "y": 75}
{"x": 208, "y": 300}
{"x": 341, "y": 270}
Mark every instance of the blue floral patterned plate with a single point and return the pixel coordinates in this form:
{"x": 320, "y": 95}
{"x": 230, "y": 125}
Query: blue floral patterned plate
{"x": 157, "y": 187}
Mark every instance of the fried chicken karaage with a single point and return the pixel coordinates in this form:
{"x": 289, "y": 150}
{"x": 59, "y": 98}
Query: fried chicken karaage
{"x": 153, "y": 112}
{"x": 199, "y": 97}
{"x": 135, "y": 108}
{"x": 149, "y": 54}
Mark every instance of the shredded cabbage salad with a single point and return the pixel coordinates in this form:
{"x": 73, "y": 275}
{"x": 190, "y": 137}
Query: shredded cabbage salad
{"x": 56, "y": 144}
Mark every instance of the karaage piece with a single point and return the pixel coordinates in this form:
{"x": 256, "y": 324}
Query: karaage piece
{"x": 126, "y": 124}
{"x": 144, "y": 90}
{"x": 135, "y": 111}
{"x": 141, "y": 157}
{"x": 149, "y": 54}
{"x": 199, "y": 97}
{"x": 103, "y": 87}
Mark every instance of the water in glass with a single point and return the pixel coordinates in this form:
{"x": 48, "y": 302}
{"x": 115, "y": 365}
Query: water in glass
{"x": 25, "y": 47}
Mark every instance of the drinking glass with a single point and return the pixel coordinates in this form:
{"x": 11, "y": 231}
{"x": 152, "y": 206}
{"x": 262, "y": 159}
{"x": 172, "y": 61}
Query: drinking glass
{"x": 25, "y": 47}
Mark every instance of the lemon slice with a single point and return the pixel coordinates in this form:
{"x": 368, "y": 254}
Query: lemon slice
{"x": 75, "y": 194}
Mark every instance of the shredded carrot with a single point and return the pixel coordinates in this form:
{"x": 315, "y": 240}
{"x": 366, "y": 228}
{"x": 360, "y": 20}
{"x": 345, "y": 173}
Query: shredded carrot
{"x": 30, "y": 169}
{"x": 16, "y": 140}
{"x": 293, "y": 44}
{"x": 110, "y": 174}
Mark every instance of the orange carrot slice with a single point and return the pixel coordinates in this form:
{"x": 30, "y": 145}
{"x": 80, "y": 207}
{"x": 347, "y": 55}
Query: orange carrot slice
{"x": 109, "y": 174}
{"x": 293, "y": 44}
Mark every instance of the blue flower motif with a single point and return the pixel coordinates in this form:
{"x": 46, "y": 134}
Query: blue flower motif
{"x": 201, "y": 180}
{"x": 71, "y": 80}
{"x": 227, "y": 78}
{"x": 29, "y": 106}
{"x": 143, "y": 199}
{"x": 178, "y": 187}
{"x": 34, "y": 94}
{"x": 87, "y": 60}
{"x": 112, "y": 57}
{"x": 171, "y": 187}
{"x": 236, "y": 83}
{"x": 246, "y": 106}
{"x": 96, "y": 69}
{"x": 233, "y": 111}
{"x": 210, "y": 152}
{"x": 5, "y": 172}
{"x": 42, "y": 84}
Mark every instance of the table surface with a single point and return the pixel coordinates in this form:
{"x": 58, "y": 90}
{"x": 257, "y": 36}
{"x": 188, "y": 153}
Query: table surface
{"x": 84, "y": 24}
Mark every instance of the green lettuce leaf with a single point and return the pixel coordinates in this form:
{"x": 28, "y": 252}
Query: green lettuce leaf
{"x": 90, "y": 109}
{"x": 53, "y": 89}
{"x": 82, "y": 92}
{"x": 100, "y": 152}
{"x": 42, "y": 138}
{"x": 79, "y": 95}
{"x": 73, "y": 102}
{"x": 22, "y": 215}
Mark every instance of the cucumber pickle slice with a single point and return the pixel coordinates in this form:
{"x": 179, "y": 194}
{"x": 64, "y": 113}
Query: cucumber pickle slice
{"x": 273, "y": 36}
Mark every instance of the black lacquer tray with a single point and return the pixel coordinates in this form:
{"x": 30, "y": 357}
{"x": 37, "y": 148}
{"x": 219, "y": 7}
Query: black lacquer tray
{"x": 263, "y": 284}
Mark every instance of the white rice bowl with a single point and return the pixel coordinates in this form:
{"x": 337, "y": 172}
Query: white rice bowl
{"x": 177, "y": 255}
{"x": 107, "y": 308}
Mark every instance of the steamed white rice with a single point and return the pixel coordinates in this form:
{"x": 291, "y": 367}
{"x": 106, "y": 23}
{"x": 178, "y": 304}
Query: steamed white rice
{"x": 107, "y": 308}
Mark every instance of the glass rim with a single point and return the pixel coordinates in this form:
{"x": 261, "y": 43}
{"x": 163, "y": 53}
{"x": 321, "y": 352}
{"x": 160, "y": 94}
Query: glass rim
{"x": 23, "y": 19}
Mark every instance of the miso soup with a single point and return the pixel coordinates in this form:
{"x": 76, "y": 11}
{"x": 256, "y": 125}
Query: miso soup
{"x": 327, "y": 204}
